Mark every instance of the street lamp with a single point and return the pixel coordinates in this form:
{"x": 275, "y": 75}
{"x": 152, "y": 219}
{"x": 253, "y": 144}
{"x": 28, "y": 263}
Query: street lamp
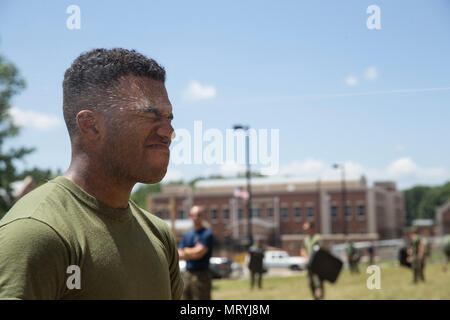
{"x": 249, "y": 190}
{"x": 343, "y": 192}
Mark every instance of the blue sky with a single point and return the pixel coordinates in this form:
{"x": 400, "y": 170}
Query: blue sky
{"x": 337, "y": 91}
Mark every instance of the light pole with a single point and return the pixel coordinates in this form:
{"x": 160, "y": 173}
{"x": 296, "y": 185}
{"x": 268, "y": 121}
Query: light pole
{"x": 249, "y": 189}
{"x": 343, "y": 192}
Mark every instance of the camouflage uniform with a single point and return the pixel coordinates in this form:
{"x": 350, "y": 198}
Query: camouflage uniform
{"x": 255, "y": 265}
{"x": 417, "y": 262}
{"x": 446, "y": 251}
{"x": 197, "y": 284}
{"x": 314, "y": 281}
{"x": 351, "y": 257}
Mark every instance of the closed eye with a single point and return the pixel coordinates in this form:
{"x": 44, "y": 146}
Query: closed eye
{"x": 157, "y": 113}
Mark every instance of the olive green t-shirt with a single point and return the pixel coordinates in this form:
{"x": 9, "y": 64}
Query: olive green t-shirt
{"x": 57, "y": 228}
{"x": 310, "y": 242}
{"x": 415, "y": 245}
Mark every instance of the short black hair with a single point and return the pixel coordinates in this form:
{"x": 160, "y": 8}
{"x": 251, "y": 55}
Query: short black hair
{"x": 86, "y": 80}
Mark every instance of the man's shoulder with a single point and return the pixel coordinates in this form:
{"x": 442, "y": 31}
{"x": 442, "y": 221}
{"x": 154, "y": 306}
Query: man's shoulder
{"x": 207, "y": 232}
{"x": 159, "y": 224}
{"x": 36, "y": 204}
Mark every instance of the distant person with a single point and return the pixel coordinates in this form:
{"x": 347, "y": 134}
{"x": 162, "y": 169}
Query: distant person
{"x": 352, "y": 256}
{"x": 416, "y": 255}
{"x": 255, "y": 265}
{"x": 79, "y": 236}
{"x": 312, "y": 242}
{"x": 196, "y": 248}
{"x": 446, "y": 249}
{"x": 371, "y": 253}
{"x": 428, "y": 249}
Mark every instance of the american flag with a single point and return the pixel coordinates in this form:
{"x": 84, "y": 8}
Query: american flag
{"x": 240, "y": 193}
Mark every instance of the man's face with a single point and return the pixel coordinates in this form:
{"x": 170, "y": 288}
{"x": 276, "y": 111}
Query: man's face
{"x": 307, "y": 228}
{"x": 196, "y": 216}
{"x": 138, "y": 130}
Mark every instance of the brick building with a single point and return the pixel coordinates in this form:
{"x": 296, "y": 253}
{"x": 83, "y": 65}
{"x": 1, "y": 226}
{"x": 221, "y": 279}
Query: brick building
{"x": 281, "y": 206}
{"x": 443, "y": 219}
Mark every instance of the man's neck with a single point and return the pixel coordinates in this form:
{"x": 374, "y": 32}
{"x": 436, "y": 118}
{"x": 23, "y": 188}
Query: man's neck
{"x": 96, "y": 182}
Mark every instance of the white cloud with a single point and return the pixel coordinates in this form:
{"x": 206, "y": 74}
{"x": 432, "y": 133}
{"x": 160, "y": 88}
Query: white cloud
{"x": 28, "y": 118}
{"x": 196, "y": 91}
{"x": 231, "y": 169}
{"x": 351, "y": 81}
{"x": 371, "y": 73}
{"x": 399, "y": 148}
{"x": 404, "y": 171}
{"x": 308, "y": 167}
{"x": 312, "y": 169}
{"x": 172, "y": 175}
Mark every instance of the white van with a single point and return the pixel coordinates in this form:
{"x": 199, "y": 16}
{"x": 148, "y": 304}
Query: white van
{"x": 282, "y": 259}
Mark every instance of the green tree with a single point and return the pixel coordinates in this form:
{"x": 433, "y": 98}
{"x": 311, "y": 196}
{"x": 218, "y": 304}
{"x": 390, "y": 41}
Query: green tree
{"x": 40, "y": 176}
{"x": 11, "y": 83}
{"x": 421, "y": 202}
{"x": 140, "y": 195}
{"x": 412, "y": 199}
{"x": 434, "y": 198}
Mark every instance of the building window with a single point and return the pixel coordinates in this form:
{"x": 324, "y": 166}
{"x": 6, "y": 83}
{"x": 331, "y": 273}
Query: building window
{"x": 348, "y": 211}
{"x": 226, "y": 214}
{"x": 297, "y": 213}
{"x": 256, "y": 212}
{"x": 240, "y": 213}
{"x": 361, "y": 211}
{"x": 269, "y": 212}
{"x": 334, "y": 212}
{"x": 180, "y": 214}
{"x": 284, "y": 213}
{"x": 214, "y": 214}
{"x": 310, "y": 212}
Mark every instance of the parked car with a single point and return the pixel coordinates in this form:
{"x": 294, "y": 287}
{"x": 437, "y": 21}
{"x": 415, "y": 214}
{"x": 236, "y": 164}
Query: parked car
{"x": 282, "y": 259}
{"x": 219, "y": 267}
{"x": 182, "y": 265}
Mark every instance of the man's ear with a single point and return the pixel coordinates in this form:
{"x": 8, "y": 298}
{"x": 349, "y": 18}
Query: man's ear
{"x": 89, "y": 124}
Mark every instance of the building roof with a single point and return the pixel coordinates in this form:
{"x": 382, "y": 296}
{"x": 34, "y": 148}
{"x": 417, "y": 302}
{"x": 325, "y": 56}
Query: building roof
{"x": 444, "y": 207}
{"x": 272, "y": 184}
{"x": 422, "y": 222}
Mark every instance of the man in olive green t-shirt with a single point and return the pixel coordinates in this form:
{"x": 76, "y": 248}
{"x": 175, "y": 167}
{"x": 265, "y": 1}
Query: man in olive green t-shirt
{"x": 446, "y": 249}
{"x": 311, "y": 243}
{"x": 79, "y": 236}
{"x": 416, "y": 255}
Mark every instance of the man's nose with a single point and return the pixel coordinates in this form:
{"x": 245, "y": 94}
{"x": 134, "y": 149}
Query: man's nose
{"x": 166, "y": 131}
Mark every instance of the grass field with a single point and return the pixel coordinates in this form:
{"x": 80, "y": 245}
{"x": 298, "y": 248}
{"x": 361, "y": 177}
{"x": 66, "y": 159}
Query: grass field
{"x": 396, "y": 283}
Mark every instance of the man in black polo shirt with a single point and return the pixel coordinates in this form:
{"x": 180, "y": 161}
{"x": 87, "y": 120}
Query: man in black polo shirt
{"x": 196, "y": 248}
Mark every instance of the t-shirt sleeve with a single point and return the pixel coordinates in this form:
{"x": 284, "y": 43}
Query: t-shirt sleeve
{"x": 181, "y": 245}
{"x": 33, "y": 261}
{"x": 176, "y": 283}
{"x": 207, "y": 239}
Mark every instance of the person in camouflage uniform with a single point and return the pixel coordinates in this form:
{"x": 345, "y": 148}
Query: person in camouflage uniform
{"x": 312, "y": 243}
{"x": 416, "y": 254}
{"x": 352, "y": 256}
{"x": 446, "y": 249}
{"x": 255, "y": 264}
